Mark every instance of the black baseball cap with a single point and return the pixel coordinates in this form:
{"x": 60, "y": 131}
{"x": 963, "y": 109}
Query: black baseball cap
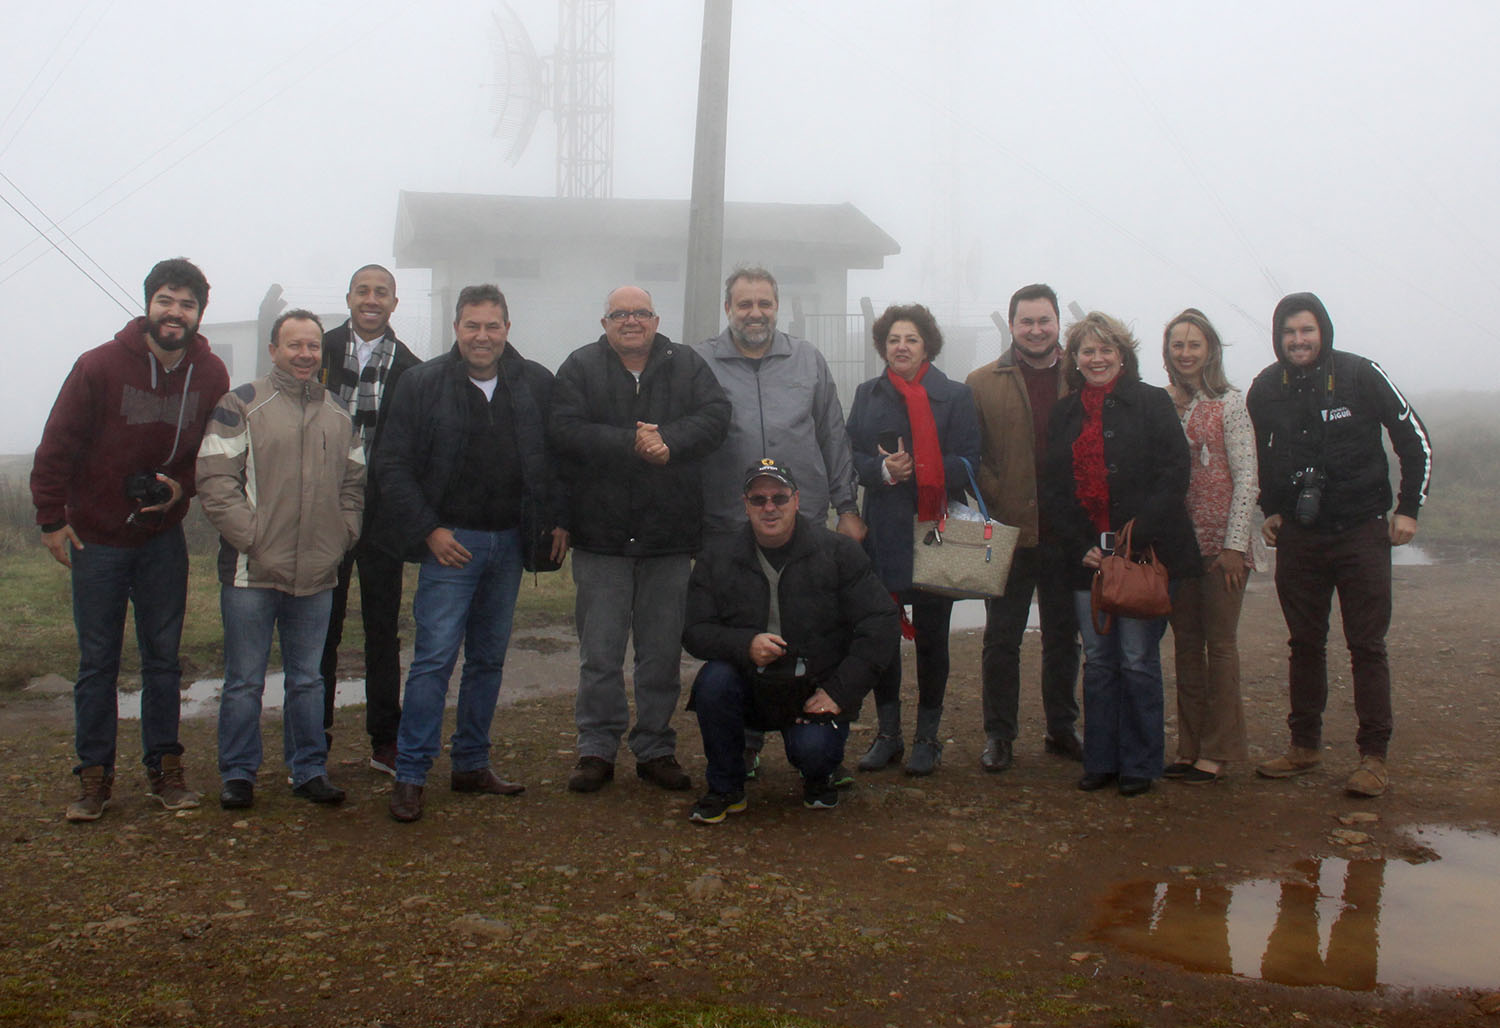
{"x": 768, "y": 467}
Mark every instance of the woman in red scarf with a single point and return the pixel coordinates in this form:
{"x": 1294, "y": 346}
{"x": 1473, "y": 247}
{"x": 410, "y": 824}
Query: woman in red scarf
{"x": 910, "y": 430}
{"x": 1115, "y": 451}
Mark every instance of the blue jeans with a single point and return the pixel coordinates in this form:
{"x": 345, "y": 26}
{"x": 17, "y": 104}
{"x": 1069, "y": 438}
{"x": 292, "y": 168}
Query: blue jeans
{"x": 250, "y": 617}
{"x": 721, "y": 699}
{"x": 1123, "y": 732}
{"x": 473, "y": 606}
{"x": 151, "y": 577}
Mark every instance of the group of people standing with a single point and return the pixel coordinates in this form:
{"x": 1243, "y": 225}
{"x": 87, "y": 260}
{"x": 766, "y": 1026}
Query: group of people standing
{"x": 694, "y": 486}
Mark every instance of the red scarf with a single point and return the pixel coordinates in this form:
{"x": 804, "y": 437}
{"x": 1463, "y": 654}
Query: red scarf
{"x": 927, "y": 455}
{"x": 1090, "y": 475}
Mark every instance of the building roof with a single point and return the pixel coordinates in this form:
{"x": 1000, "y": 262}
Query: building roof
{"x": 429, "y": 225}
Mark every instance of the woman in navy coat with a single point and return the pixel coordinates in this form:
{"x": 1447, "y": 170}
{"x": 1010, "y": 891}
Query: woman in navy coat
{"x": 910, "y": 430}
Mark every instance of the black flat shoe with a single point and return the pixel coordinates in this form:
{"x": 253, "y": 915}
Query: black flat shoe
{"x": 319, "y": 790}
{"x": 1178, "y": 770}
{"x": 237, "y": 794}
{"x": 1134, "y": 786}
{"x": 1093, "y": 781}
{"x": 1198, "y": 776}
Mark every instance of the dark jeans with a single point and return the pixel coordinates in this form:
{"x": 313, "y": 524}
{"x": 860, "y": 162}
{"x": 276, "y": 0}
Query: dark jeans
{"x": 151, "y": 577}
{"x": 721, "y": 699}
{"x": 1123, "y": 733}
{"x": 380, "y": 610}
{"x": 1039, "y": 570}
{"x": 1309, "y": 567}
{"x": 930, "y": 616}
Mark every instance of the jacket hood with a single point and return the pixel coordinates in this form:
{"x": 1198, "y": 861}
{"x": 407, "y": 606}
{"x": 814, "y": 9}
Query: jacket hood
{"x": 1293, "y": 304}
{"x": 133, "y": 338}
{"x": 290, "y": 384}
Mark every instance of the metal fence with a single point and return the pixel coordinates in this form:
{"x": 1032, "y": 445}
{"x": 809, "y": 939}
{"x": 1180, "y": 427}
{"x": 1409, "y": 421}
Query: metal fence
{"x": 842, "y": 340}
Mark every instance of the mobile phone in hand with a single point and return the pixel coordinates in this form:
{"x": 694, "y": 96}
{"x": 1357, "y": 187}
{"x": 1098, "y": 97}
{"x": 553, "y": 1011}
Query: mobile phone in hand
{"x": 890, "y": 442}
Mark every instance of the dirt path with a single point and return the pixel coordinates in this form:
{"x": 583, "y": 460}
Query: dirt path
{"x": 964, "y": 899}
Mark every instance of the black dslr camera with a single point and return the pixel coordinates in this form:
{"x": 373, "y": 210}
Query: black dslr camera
{"x": 1309, "y": 485}
{"x": 144, "y": 488}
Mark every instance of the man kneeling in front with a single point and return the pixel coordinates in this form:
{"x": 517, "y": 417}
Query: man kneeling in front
{"x": 795, "y": 628}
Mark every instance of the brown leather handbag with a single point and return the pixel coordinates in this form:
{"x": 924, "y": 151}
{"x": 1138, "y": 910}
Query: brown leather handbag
{"x": 1132, "y": 585}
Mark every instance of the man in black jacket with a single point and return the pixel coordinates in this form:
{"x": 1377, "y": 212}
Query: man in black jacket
{"x": 795, "y": 628}
{"x": 633, "y": 416}
{"x": 1325, "y": 490}
{"x": 467, "y": 488}
{"x": 362, "y": 362}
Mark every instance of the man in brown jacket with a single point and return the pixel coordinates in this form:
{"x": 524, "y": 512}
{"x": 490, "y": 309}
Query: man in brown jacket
{"x": 1014, "y": 396}
{"x": 281, "y": 475}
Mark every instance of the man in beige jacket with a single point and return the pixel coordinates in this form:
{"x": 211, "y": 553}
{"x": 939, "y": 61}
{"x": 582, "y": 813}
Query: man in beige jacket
{"x": 1014, "y": 396}
{"x": 281, "y": 475}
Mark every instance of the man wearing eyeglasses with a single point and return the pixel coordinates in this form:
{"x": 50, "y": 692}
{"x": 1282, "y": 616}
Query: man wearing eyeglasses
{"x": 634, "y": 415}
{"x": 784, "y": 402}
{"x": 795, "y": 628}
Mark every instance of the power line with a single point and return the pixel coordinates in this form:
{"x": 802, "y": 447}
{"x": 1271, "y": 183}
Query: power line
{"x": 373, "y": 23}
{"x": 38, "y": 208}
{"x": 62, "y": 68}
{"x": 69, "y": 259}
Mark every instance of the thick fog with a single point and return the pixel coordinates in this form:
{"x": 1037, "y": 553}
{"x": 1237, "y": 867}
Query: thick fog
{"x": 1139, "y": 157}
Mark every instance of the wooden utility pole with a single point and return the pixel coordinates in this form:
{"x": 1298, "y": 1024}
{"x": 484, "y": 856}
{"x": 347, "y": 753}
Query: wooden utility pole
{"x": 705, "y": 255}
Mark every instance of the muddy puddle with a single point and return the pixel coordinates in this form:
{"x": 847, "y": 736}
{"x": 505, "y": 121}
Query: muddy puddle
{"x": 1428, "y": 922}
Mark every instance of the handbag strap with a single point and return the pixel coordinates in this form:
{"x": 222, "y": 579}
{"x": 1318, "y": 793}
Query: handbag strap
{"x": 1100, "y": 627}
{"x": 984, "y": 511}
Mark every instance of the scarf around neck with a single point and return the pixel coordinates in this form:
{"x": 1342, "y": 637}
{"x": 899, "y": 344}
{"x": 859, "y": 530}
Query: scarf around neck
{"x": 927, "y": 454}
{"x": 1090, "y": 474}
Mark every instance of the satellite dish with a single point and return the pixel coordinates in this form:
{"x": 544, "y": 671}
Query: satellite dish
{"x": 519, "y": 94}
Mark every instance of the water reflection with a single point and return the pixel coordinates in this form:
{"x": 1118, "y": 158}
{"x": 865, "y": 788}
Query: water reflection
{"x": 202, "y": 697}
{"x": 1354, "y": 924}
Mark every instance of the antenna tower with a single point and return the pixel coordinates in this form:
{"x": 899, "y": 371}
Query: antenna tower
{"x": 576, "y": 82}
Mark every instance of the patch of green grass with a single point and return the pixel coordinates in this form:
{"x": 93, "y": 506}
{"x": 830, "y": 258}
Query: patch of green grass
{"x": 36, "y": 607}
{"x": 25, "y": 1002}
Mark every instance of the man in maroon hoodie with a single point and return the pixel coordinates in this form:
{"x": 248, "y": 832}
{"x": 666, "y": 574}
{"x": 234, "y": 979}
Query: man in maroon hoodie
{"x": 111, "y": 483}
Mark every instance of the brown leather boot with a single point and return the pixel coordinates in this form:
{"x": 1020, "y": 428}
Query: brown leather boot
{"x": 96, "y": 785}
{"x": 169, "y": 786}
{"x": 1298, "y": 760}
{"x": 406, "y": 802}
{"x": 484, "y": 780}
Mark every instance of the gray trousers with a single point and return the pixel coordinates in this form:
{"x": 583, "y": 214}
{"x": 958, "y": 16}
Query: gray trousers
{"x": 620, "y": 600}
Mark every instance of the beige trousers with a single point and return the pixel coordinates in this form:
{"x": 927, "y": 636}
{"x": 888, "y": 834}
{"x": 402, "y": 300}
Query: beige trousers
{"x": 1205, "y": 631}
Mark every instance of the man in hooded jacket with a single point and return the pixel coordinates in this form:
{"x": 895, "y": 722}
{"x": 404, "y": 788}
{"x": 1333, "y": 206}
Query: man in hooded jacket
{"x": 111, "y": 483}
{"x": 1325, "y": 490}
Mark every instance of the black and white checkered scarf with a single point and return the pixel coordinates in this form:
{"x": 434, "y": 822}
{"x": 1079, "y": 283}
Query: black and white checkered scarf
{"x": 365, "y": 386}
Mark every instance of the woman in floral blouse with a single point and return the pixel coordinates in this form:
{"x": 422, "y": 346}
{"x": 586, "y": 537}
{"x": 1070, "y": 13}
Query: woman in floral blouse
{"x": 1220, "y": 500}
